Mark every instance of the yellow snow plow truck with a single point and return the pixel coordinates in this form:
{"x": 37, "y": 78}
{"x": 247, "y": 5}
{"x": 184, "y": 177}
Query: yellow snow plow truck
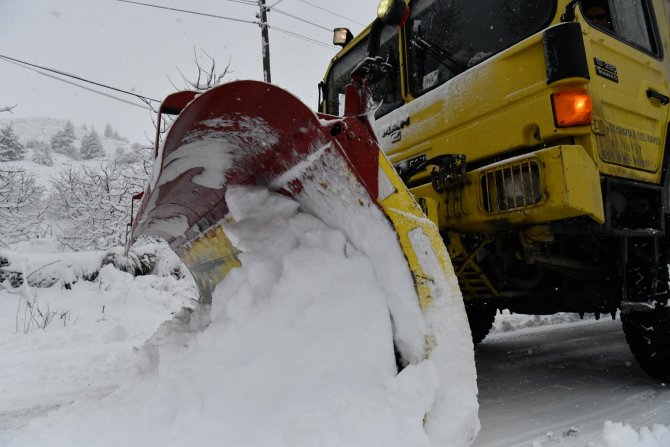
{"x": 534, "y": 134}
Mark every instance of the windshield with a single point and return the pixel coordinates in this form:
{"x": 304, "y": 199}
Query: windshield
{"x": 446, "y": 37}
{"x": 387, "y": 93}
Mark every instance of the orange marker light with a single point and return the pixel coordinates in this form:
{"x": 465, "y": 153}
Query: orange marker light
{"x": 572, "y": 108}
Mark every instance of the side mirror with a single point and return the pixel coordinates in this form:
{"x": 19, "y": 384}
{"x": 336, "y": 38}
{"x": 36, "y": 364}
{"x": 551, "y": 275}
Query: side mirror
{"x": 393, "y": 12}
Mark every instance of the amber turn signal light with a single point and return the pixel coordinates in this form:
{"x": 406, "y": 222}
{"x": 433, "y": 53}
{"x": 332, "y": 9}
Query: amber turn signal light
{"x": 572, "y": 108}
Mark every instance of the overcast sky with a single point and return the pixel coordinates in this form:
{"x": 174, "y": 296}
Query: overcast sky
{"x": 141, "y": 49}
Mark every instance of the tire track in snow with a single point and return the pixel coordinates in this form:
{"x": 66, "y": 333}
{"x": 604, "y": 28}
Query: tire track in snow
{"x": 557, "y": 385}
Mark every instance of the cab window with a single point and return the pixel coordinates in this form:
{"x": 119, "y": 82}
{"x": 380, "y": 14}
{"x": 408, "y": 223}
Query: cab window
{"x": 447, "y": 37}
{"x": 630, "y": 20}
{"x": 387, "y": 93}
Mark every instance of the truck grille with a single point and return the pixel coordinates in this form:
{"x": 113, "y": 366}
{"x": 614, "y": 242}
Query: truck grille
{"x": 511, "y": 187}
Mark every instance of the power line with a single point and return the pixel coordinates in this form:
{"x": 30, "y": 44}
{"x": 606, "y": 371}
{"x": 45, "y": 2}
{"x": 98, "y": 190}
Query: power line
{"x": 234, "y": 19}
{"x": 333, "y": 13}
{"x": 253, "y": 22}
{"x": 244, "y": 2}
{"x": 116, "y": 98}
{"x": 137, "y": 95}
{"x": 301, "y": 19}
{"x": 275, "y": 4}
{"x": 300, "y": 36}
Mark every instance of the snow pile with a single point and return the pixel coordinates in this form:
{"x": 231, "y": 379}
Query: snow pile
{"x": 616, "y": 434}
{"x": 86, "y": 345}
{"x": 298, "y": 352}
{"x": 508, "y": 322}
{"x": 51, "y": 268}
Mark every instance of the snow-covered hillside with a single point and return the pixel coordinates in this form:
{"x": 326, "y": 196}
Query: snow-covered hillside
{"x": 71, "y": 183}
{"x": 31, "y": 130}
{"x": 43, "y": 128}
{"x": 40, "y": 129}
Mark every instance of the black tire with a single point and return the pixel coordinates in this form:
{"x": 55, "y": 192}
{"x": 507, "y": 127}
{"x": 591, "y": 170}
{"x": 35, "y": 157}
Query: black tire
{"x": 648, "y": 336}
{"x": 481, "y": 315}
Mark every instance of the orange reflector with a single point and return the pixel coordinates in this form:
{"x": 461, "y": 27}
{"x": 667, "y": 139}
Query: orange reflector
{"x": 572, "y": 108}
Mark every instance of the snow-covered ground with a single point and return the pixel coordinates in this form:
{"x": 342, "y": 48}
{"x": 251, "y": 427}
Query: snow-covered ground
{"x": 566, "y": 383}
{"x": 89, "y": 343}
{"x": 297, "y": 351}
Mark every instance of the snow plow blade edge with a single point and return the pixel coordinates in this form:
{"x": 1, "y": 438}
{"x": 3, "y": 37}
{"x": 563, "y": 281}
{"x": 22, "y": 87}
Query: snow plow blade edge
{"x": 253, "y": 133}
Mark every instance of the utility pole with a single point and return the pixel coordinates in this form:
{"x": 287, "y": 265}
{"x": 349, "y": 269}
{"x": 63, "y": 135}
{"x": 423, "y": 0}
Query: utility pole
{"x": 266, "y": 41}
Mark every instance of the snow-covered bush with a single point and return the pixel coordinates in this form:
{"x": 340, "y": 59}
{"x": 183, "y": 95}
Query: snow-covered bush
{"x": 91, "y": 207}
{"x": 21, "y": 206}
{"x": 64, "y": 269}
{"x": 63, "y": 142}
{"x": 10, "y": 147}
{"x": 42, "y": 154}
{"x": 133, "y": 262}
{"x": 91, "y": 146}
{"x": 49, "y": 269}
{"x": 111, "y": 133}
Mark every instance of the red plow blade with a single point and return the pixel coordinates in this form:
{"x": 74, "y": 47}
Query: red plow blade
{"x": 244, "y": 133}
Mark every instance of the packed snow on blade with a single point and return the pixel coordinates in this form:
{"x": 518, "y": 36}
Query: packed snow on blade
{"x": 249, "y": 133}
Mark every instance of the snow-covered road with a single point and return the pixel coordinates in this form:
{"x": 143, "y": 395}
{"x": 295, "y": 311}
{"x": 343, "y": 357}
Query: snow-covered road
{"x": 557, "y": 385}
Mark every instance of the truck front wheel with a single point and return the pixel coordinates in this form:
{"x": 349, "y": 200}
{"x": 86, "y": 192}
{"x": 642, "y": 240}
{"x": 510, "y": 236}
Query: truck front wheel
{"x": 648, "y": 335}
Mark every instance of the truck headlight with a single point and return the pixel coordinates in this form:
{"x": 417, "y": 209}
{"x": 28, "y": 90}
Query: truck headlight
{"x": 511, "y": 187}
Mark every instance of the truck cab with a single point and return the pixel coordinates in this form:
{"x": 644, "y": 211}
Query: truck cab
{"x": 534, "y": 134}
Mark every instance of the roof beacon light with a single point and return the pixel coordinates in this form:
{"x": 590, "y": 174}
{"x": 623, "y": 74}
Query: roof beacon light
{"x": 393, "y": 12}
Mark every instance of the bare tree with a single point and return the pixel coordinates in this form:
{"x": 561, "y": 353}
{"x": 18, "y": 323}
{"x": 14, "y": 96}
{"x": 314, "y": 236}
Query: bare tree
{"x": 91, "y": 206}
{"x": 7, "y": 108}
{"x": 206, "y": 77}
{"x": 136, "y": 166}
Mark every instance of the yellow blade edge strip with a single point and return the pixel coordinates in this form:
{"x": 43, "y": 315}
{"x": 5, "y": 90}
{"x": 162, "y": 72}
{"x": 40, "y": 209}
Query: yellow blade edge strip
{"x": 209, "y": 258}
{"x": 407, "y": 217}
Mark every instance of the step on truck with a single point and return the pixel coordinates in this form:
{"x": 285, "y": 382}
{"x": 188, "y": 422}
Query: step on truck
{"x": 534, "y": 134}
